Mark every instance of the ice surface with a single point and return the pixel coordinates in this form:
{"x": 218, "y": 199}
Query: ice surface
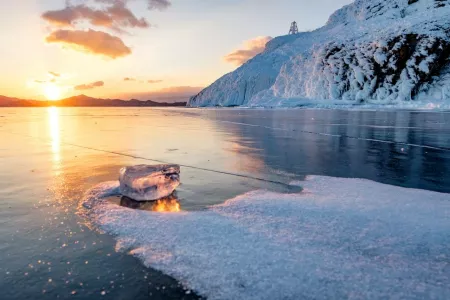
{"x": 359, "y": 55}
{"x": 144, "y": 182}
{"x": 338, "y": 239}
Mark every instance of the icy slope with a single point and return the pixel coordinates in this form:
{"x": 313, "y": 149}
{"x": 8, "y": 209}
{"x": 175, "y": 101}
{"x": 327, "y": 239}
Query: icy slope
{"x": 338, "y": 239}
{"x": 377, "y": 51}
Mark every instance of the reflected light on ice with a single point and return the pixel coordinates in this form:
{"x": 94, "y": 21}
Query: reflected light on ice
{"x": 54, "y": 132}
{"x": 168, "y": 204}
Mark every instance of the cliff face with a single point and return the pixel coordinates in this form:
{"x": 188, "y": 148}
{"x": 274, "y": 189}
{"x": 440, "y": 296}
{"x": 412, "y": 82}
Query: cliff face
{"x": 371, "y": 51}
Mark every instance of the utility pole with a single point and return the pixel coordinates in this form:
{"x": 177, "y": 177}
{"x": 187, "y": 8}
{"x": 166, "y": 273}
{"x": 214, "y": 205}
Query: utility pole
{"x": 294, "y": 28}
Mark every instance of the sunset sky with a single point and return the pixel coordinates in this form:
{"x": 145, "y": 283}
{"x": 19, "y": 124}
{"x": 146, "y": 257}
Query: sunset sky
{"x": 138, "y": 48}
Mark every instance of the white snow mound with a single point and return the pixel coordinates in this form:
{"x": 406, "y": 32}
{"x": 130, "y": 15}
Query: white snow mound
{"x": 338, "y": 239}
{"x": 371, "y": 51}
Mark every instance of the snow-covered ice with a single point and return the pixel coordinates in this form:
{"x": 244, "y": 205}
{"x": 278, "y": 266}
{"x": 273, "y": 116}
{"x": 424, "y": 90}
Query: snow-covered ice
{"x": 145, "y": 182}
{"x": 371, "y": 51}
{"x": 338, "y": 239}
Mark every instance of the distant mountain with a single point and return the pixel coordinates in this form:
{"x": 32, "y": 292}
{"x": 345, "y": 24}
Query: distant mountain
{"x": 84, "y": 101}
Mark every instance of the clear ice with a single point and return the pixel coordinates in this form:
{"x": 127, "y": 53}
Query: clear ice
{"x": 146, "y": 183}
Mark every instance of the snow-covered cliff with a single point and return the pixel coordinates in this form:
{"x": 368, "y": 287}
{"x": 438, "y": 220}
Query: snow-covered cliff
{"x": 371, "y": 51}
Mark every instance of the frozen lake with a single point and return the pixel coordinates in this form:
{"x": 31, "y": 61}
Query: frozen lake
{"x": 51, "y": 157}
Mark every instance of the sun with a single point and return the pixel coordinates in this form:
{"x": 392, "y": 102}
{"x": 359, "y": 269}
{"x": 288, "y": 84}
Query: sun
{"x": 52, "y": 92}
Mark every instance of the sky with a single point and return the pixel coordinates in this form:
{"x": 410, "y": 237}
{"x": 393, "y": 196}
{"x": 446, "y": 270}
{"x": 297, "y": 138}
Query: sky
{"x": 144, "y": 49}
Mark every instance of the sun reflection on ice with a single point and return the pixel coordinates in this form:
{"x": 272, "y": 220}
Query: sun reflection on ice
{"x": 166, "y": 205}
{"x": 169, "y": 204}
{"x": 54, "y": 132}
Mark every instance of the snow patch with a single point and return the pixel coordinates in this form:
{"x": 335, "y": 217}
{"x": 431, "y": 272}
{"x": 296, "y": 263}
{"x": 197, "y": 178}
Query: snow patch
{"x": 338, "y": 239}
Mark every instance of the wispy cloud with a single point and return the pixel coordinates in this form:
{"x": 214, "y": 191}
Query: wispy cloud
{"x": 158, "y": 4}
{"x": 54, "y": 74}
{"x": 40, "y": 81}
{"x": 116, "y": 17}
{"x": 89, "y": 86}
{"x": 52, "y": 77}
{"x": 152, "y": 4}
{"x": 249, "y": 50}
{"x": 91, "y": 41}
{"x": 151, "y": 81}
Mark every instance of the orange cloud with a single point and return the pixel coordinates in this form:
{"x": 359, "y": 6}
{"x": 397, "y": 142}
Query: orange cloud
{"x": 89, "y": 86}
{"x": 115, "y": 17}
{"x": 110, "y": 14}
{"x": 154, "y": 81}
{"x": 129, "y": 79}
{"x": 95, "y": 42}
{"x": 125, "y": 18}
{"x": 250, "y": 49}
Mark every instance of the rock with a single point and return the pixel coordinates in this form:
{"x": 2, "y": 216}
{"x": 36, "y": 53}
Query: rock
{"x": 149, "y": 182}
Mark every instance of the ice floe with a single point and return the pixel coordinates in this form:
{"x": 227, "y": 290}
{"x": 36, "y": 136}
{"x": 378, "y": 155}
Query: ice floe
{"x": 338, "y": 239}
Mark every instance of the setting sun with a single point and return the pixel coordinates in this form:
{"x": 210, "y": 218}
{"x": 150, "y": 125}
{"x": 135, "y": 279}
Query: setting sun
{"x": 52, "y": 92}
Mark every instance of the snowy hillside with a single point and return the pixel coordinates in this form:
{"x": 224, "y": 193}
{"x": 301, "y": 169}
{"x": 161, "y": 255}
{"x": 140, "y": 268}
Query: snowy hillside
{"x": 371, "y": 51}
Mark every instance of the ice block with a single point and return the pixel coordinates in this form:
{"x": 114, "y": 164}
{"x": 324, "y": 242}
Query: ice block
{"x": 149, "y": 182}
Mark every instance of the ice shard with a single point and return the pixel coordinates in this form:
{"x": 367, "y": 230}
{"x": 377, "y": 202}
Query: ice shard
{"x": 149, "y": 182}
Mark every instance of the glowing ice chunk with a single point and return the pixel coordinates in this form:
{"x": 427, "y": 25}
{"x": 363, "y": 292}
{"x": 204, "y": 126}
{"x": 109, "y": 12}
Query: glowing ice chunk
{"x": 145, "y": 183}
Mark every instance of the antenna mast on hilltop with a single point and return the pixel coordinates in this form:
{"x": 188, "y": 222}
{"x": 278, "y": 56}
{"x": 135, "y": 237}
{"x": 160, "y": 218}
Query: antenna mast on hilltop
{"x": 294, "y": 28}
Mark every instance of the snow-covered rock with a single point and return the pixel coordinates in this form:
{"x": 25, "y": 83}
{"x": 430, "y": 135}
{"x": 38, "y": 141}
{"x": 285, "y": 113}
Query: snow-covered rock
{"x": 145, "y": 183}
{"x": 371, "y": 51}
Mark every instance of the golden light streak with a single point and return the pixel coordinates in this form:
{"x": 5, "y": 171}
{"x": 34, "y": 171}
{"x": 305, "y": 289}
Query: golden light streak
{"x": 54, "y": 131}
{"x": 166, "y": 205}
